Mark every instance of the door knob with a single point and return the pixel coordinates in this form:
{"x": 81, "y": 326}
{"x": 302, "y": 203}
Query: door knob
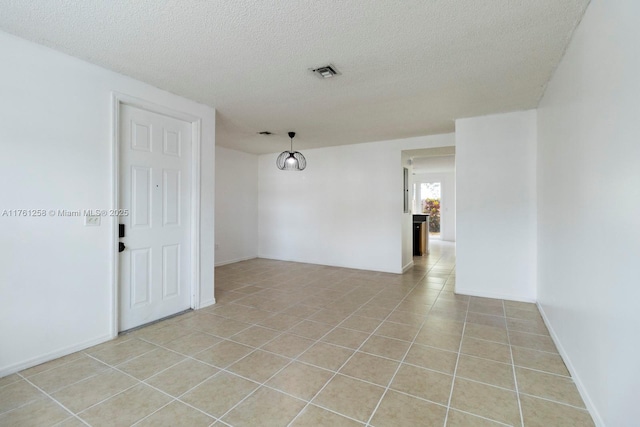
{"x": 121, "y": 247}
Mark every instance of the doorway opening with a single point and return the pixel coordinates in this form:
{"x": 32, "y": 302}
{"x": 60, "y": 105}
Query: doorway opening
{"x": 430, "y": 201}
{"x": 156, "y": 182}
{"x": 432, "y": 184}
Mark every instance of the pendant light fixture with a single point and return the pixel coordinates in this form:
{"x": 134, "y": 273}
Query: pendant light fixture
{"x": 291, "y": 160}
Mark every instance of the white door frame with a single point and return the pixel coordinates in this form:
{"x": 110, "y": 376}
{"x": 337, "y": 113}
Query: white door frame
{"x": 118, "y": 100}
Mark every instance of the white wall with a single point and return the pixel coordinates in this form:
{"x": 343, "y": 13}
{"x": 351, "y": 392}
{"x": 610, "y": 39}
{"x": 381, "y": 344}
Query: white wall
{"x": 435, "y": 163}
{"x": 55, "y": 131}
{"x": 345, "y": 209}
{"x": 496, "y": 206}
{"x": 236, "y": 206}
{"x": 589, "y": 207}
{"x": 447, "y": 182}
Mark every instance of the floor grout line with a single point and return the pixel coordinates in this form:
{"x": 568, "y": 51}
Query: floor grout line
{"x": 350, "y": 357}
{"x": 515, "y": 378}
{"x": 402, "y": 360}
{"x": 582, "y": 408}
{"x": 455, "y": 369}
{"x": 295, "y": 359}
{"x": 139, "y": 382}
{"x": 429, "y": 297}
{"x": 480, "y": 416}
{"x": 73, "y": 414}
{"x": 346, "y": 361}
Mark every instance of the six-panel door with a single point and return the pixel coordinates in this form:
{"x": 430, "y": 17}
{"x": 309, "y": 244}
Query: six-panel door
{"x": 155, "y": 153}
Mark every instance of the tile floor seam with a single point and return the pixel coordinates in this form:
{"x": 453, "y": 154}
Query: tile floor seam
{"x": 486, "y": 340}
{"x": 270, "y": 386}
{"x": 404, "y": 393}
{"x": 483, "y": 417}
{"x": 430, "y": 346}
{"x": 515, "y": 378}
{"x": 515, "y": 365}
{"x": 137, "y": 383}
{"x": 187, "y": 357}
{"x": 101, "y": 371}
{"x": 124, "y": 361}
{"x": 555, "y": 401}
{"x": 252, "y": 392}
{"x": 544, "y": 372}
{"x": 280, "y": 333}
{"x": 283, "y": 332}
{"x": 19, "y": 377}
{"x": 536, "y": 349}
{"x": 224, "y": 369}
{"x": 56, "y": 401}
{"x": 75, "y": 417}
{"x": 486, "y": 314}
{"x": 292, "y": 361}
{"x": 455, "y": 369}
{"x": 23, "y": 404}
{"x": 388, "y": 358}
{"x": 530, "y": 333}
{"x": 424, "y": 367}
{"x": 415, "y": 295}
{"x": 158, "y": 410}
{"x": 196, "y": 408}
{"x": 160, "y": 371}
{"x": 80, "y": 381}
{"x": 485, "y": 383}
{"x": 484, "y": 358}
{"x": 17, "y": 407}
{"x": 304, "y": 362}
{"x": 141, "y": 382}
{"x": 401, "y": 361}
{"x": 160, "y": 346}
{"x": 42, "y": 372}
{"x": 287, "y": 357}
{"x": 351, "y": 356}
{"x": 293, "y": 396}
{"x": 220, "y": 371}
{"x": 107, "y": 398}
{"x": 332, "y": 411}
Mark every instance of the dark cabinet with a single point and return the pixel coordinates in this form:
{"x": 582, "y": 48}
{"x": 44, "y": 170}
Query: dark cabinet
{"x": 420, "y": 235}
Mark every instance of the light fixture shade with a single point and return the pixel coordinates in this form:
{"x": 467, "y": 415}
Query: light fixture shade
{"x": 291, "y": 161}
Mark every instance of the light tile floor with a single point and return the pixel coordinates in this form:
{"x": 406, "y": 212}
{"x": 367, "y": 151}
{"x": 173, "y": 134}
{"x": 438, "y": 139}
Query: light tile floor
{"x": 308, "y": 345}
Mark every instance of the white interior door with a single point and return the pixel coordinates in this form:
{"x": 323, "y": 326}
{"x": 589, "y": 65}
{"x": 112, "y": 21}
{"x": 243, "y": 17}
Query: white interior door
{"x": 155, "y": 274}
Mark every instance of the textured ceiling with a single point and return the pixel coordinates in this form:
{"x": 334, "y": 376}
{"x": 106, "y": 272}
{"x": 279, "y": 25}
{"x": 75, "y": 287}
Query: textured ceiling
{"x": 409, "y": 67}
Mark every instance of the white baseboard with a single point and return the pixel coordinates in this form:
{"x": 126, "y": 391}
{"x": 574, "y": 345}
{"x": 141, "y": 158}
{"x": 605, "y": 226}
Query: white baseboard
{"x": 507, "y": 297}
{"x": 351, "y": 267}
{"x": 407, "y": 267}
{"x": 207, "y": 303}
{"x": 221, "y": 263}
{"x": 597, "y": 419}
{"x": 11, "y": 369}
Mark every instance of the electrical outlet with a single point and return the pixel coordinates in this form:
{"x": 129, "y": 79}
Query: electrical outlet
{"x": 92, "y": 220}
{"x": 217, "y": 246}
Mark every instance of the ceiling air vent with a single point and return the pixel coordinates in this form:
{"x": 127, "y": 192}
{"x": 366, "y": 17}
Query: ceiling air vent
{"x": 326, "y": 72}
{"x": 265, "y": 132}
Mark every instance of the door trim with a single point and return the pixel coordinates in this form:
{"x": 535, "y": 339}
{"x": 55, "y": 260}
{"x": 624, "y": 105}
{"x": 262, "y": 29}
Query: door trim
{"x": 117, "y": 100}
